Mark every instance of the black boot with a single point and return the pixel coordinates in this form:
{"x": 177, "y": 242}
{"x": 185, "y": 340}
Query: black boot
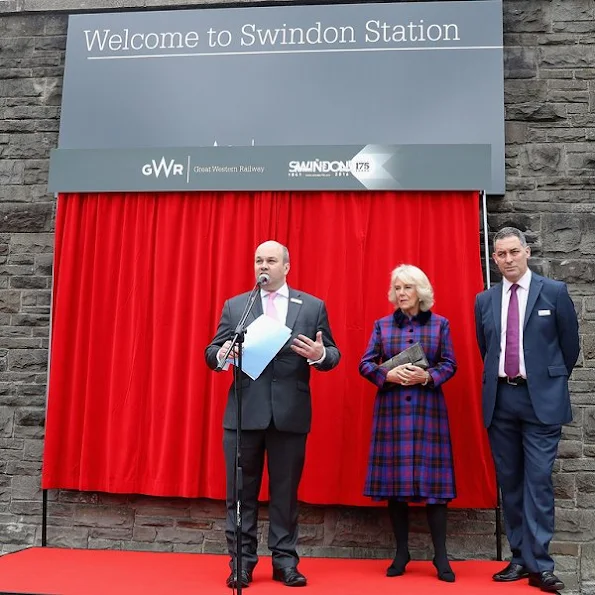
{"x": 437, "y": 520}
{"x": 399, "y": 519}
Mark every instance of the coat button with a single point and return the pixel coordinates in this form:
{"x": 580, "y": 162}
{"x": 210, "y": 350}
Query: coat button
{"x": 408, "y": 398}
{"x": 409, "y": 340}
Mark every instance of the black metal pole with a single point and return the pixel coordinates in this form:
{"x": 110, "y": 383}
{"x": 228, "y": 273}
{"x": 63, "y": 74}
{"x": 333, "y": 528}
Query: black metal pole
{"x": 239, "y": 478}
{"x": 44, "y": 518}
{"x": 238, "y": 339}
{"x": 498, "y": 524}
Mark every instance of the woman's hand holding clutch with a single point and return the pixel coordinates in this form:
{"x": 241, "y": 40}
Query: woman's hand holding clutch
{"x": 407, "y": 375}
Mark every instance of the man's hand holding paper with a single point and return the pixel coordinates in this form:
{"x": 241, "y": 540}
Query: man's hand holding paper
{"x": 264, "y": 339}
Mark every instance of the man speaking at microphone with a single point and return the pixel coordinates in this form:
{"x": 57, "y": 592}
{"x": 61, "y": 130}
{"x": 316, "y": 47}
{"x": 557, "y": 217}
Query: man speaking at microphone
{"x": 276, "y": 414}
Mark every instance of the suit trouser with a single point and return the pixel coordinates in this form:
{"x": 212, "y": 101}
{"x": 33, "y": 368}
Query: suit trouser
{"x": 524, "y": 452}
{"x": 285, "y": 461}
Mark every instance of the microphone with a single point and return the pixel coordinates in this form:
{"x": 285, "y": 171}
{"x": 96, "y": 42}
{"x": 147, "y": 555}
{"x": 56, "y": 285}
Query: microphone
{"x": 263, "y": 279}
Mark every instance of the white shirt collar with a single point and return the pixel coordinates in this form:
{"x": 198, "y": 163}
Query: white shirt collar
{"x": 283, "y": 290}
{"x": 524, "y": 281}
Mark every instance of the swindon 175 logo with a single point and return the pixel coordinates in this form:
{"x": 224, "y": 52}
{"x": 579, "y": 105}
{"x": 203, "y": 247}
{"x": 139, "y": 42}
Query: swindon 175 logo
{"x": 163, "y": 168}
{"x": 319, "y": 168}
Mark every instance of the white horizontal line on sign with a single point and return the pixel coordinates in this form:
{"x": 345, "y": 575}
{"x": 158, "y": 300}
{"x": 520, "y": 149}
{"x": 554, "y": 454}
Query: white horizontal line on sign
{"x": 326, "y": 51}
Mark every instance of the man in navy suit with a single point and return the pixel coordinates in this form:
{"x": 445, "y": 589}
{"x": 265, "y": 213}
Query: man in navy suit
{"x": 276, "y": 414}
{"x": 527, "y": 332}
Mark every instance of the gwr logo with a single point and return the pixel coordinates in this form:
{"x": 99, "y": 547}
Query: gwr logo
{"x": 163, "y": 167}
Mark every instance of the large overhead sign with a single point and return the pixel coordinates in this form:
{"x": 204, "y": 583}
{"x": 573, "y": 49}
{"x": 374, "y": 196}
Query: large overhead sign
{"x": 379, "y": 96}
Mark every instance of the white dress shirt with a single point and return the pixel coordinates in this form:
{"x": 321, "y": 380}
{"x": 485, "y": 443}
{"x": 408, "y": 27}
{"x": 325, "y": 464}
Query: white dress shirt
{"x": 522, "y": 294}
{"x": 281, "y": 302}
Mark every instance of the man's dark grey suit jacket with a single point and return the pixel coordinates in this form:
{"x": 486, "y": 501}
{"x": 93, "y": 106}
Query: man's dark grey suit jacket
{"x": 282, "y": 392}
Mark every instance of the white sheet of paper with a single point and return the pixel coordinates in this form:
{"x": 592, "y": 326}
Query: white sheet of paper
{"x": 264, "y": 339}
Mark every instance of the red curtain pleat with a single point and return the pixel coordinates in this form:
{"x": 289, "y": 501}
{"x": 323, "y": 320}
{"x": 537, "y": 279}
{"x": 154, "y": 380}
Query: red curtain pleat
{"x": 139, "y": 283}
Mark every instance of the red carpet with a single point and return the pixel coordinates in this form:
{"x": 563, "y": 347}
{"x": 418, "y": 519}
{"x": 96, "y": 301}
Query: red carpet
{"x": 48, "y": 571}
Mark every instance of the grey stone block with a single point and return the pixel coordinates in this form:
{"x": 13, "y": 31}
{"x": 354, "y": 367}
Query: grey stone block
{"x": 527, "y": 17}
{"x": 6, "y": 421}
{"x": 26, "y": 217}
{"x": 561, "y": 548}
{"x": 32, "y": 450}
{"x": 50, "y": 43}
{"x": 575, "y": 525}
{"x": 589, "y": 425}
{"x": 26, "y": 488}
{"x": 29, "y": 416}
{"x": 573, "y": 271}
{"x": 103, "y": 516}
{"x": 137, "y": 546}
{"x": 564, "y": 486}
{"x": 178, "y": 535}
{"x": 23, "y": 468}
{"x": 10, "y": 301}
{"x": 585, "y": 501}
{"x": 111, "y": 533}
{"x": 520, "y": 63}
{"x": 584, "y": 464}
{"x": 589, "y": 347}
{"x": 569, "y": 56}
{"x": 141, "y": 533}
{"x": 541, "y": 159}
{"x": 188, "y": 548}
{"x": 535, "y": 112}
{"x": 214, "y": 547}
{"x": 32, "y": 243}
{"x": 68, "y": 537}
{"x": 11, "y": 172}
{"x": 16, "y": 533}
{"x": 29, "y": 320}
{"x": 577, "y": 10}
{"x": 28, "y": 360}
{"x": 561, "y": 233}
{"x": 154, "y": 521}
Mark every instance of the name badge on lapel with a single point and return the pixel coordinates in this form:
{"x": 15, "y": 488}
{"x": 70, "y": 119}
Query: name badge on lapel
{"x": 544, "y": 312}
{"x": 296, "y": 301}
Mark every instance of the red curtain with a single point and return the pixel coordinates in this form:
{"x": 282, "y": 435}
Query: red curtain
{"x": 139, "y": 283}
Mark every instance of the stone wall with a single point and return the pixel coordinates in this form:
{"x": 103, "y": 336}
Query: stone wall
{"x": 550, "y": 128}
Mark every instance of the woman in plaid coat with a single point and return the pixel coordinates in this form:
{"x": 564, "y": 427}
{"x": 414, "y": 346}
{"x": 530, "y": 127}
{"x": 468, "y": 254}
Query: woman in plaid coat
{"x": 410, "y": 451}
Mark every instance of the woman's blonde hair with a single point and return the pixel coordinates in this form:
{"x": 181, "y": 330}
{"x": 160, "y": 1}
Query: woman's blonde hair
{"x": 411, "y": 275}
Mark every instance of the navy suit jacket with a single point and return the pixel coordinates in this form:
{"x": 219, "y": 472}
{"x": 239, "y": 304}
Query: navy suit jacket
{"x": 550, "y": 345}
{"x": 282, "y": 391}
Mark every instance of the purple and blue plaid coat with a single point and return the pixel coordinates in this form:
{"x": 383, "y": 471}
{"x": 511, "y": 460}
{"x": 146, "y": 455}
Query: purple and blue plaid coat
{"x": 410, "y": 452}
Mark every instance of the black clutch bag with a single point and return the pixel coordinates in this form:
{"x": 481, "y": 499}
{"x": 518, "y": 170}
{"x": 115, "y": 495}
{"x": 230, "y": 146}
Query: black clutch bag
{"x": 412, "y": 355}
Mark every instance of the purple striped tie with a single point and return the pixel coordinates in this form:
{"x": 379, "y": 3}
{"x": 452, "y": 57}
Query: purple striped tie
{"x": 511, "y": 356}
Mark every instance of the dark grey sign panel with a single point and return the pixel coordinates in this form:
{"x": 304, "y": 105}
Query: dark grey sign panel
{"x": 453, "y": 167}
{"x": 423, "y": 73}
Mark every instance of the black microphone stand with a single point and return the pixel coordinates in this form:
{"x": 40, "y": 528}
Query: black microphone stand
{"x": 238, "y": 339}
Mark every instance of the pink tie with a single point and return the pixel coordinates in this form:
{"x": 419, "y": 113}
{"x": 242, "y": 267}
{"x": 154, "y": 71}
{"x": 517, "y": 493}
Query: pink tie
{"x": 271, "y": 310}
{"x": 511, "y": 355}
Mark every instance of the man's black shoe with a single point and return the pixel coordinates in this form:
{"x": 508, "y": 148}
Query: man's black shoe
{"x": 290, "y": 576}
{"x": 245, "y": 576}
{"x": 513, "y": 572}
{"x": 546, "y": 581}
